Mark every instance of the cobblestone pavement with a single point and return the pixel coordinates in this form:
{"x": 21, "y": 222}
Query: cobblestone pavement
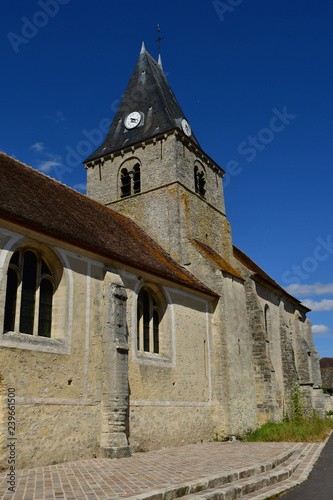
{"x": 136, "y": 476}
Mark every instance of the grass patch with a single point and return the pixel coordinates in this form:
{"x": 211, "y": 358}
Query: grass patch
{"x": 299, "y": 424}
{"x": 307, "y": 430}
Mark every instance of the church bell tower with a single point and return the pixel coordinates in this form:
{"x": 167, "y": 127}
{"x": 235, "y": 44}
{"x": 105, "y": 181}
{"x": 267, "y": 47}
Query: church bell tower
{"x": 152, "y": 169}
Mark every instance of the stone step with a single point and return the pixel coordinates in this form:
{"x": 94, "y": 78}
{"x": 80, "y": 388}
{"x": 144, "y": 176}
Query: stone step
{"x": 265, "y": 485}
{"x": 236, "y": 481}
{"x": 253, "y": 484}
{"x": 308, "y": 458}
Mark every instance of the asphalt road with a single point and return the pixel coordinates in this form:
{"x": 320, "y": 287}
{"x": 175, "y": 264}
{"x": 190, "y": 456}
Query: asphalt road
{"x": 319, "y": 486}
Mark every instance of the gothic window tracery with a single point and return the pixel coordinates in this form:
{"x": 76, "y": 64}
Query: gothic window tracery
{"x": 29, "y": 294}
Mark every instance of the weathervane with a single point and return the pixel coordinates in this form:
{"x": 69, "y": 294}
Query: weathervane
{"x": 159, "y": 39}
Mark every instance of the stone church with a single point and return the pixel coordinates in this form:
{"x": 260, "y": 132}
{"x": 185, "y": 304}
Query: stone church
{"x": 129, "y": 321}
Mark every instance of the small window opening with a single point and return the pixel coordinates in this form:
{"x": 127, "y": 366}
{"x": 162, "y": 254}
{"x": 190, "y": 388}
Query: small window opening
{"x": 266, "y": 319}
{"x": 130, "y": 181}
{"x": 125, "y": 183}
{"x": 11, "y": 294}
{"x": 136, "y": 179}
{"x": 148, "y": 316}
{"x": 45, "y": 308}
{"x": 199, "y": 182}
{"x": 146, "y": 320}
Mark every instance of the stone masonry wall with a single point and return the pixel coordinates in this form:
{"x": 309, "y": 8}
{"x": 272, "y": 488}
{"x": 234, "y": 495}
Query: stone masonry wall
{"x": 170, "y": 392}
{"x": 238, "y": 348}
{"x": 264, "y": 371}
{"x": 56, "y": 381}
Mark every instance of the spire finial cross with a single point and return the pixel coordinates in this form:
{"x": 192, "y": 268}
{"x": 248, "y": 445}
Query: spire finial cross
{"x": 159, "y": 39}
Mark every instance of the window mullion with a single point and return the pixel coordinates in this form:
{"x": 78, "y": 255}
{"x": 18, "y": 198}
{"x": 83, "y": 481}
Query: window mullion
{"x": 18, "y": 305}
{"x": 19, "y": 294}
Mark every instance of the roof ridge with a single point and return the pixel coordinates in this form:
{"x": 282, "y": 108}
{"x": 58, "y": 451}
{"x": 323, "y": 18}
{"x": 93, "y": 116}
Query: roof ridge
{"x": 2, "y": 153}
{"x": 154, "y": 65}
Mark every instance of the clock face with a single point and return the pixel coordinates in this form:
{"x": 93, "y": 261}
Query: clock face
{"x": 186, "y": 127}
{"x": 132, "y": 120}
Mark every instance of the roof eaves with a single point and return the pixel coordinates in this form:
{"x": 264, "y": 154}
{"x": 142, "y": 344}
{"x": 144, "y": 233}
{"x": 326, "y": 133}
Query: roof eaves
{"x": 192, "y": 282}
{"x": 261, "y": 276}
{"x": 281, "y": 292}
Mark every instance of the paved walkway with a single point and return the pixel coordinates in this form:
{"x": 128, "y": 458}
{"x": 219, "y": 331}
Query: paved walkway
{"x": 319, "y": 486}
{"x": 152, "y": 474}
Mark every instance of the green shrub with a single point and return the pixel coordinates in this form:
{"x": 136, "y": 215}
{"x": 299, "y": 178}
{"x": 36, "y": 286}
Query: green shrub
{"x": 296, "y": 404}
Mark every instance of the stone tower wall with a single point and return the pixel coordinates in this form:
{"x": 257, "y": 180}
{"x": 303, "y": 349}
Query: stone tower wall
{"x": 167, "y": 208}
{"x": 163, "y": 160}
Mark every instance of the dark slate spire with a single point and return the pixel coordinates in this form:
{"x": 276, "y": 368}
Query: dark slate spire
{"x": 149, "y": 94}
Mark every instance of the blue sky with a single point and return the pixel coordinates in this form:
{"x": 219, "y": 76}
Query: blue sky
{"x": 254, "y": 78}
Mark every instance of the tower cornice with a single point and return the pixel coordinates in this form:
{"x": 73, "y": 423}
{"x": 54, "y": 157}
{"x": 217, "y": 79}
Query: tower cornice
{"x": 177, "y": 132}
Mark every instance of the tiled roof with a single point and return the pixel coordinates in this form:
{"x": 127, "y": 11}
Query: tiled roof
{"x": 219, "y": 261}
{"x": 254, "y": 268}
{"x": 327, "y": 377}
{"x": 33, "y": 200}
{"x": 149, "y": 93}
{"x": 326, "y": 363}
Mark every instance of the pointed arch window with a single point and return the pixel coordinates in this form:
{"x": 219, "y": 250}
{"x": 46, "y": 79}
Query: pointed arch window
{"x": 148, "y": 322}
{"x": 199, "y": 181}
{"x": 29, "y": 294}
{"x": 130, "y": 181}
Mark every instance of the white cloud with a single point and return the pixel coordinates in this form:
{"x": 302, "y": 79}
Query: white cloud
{"x": 81, "y": 187}
{"x": 308, "y": 290}
{"x": 47, "y": 165}
{"x": 319, "y": 329}
{"x": 323, "y": 305}
{"x": 38, "y": 146}
{"x": 48, "y": 161}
